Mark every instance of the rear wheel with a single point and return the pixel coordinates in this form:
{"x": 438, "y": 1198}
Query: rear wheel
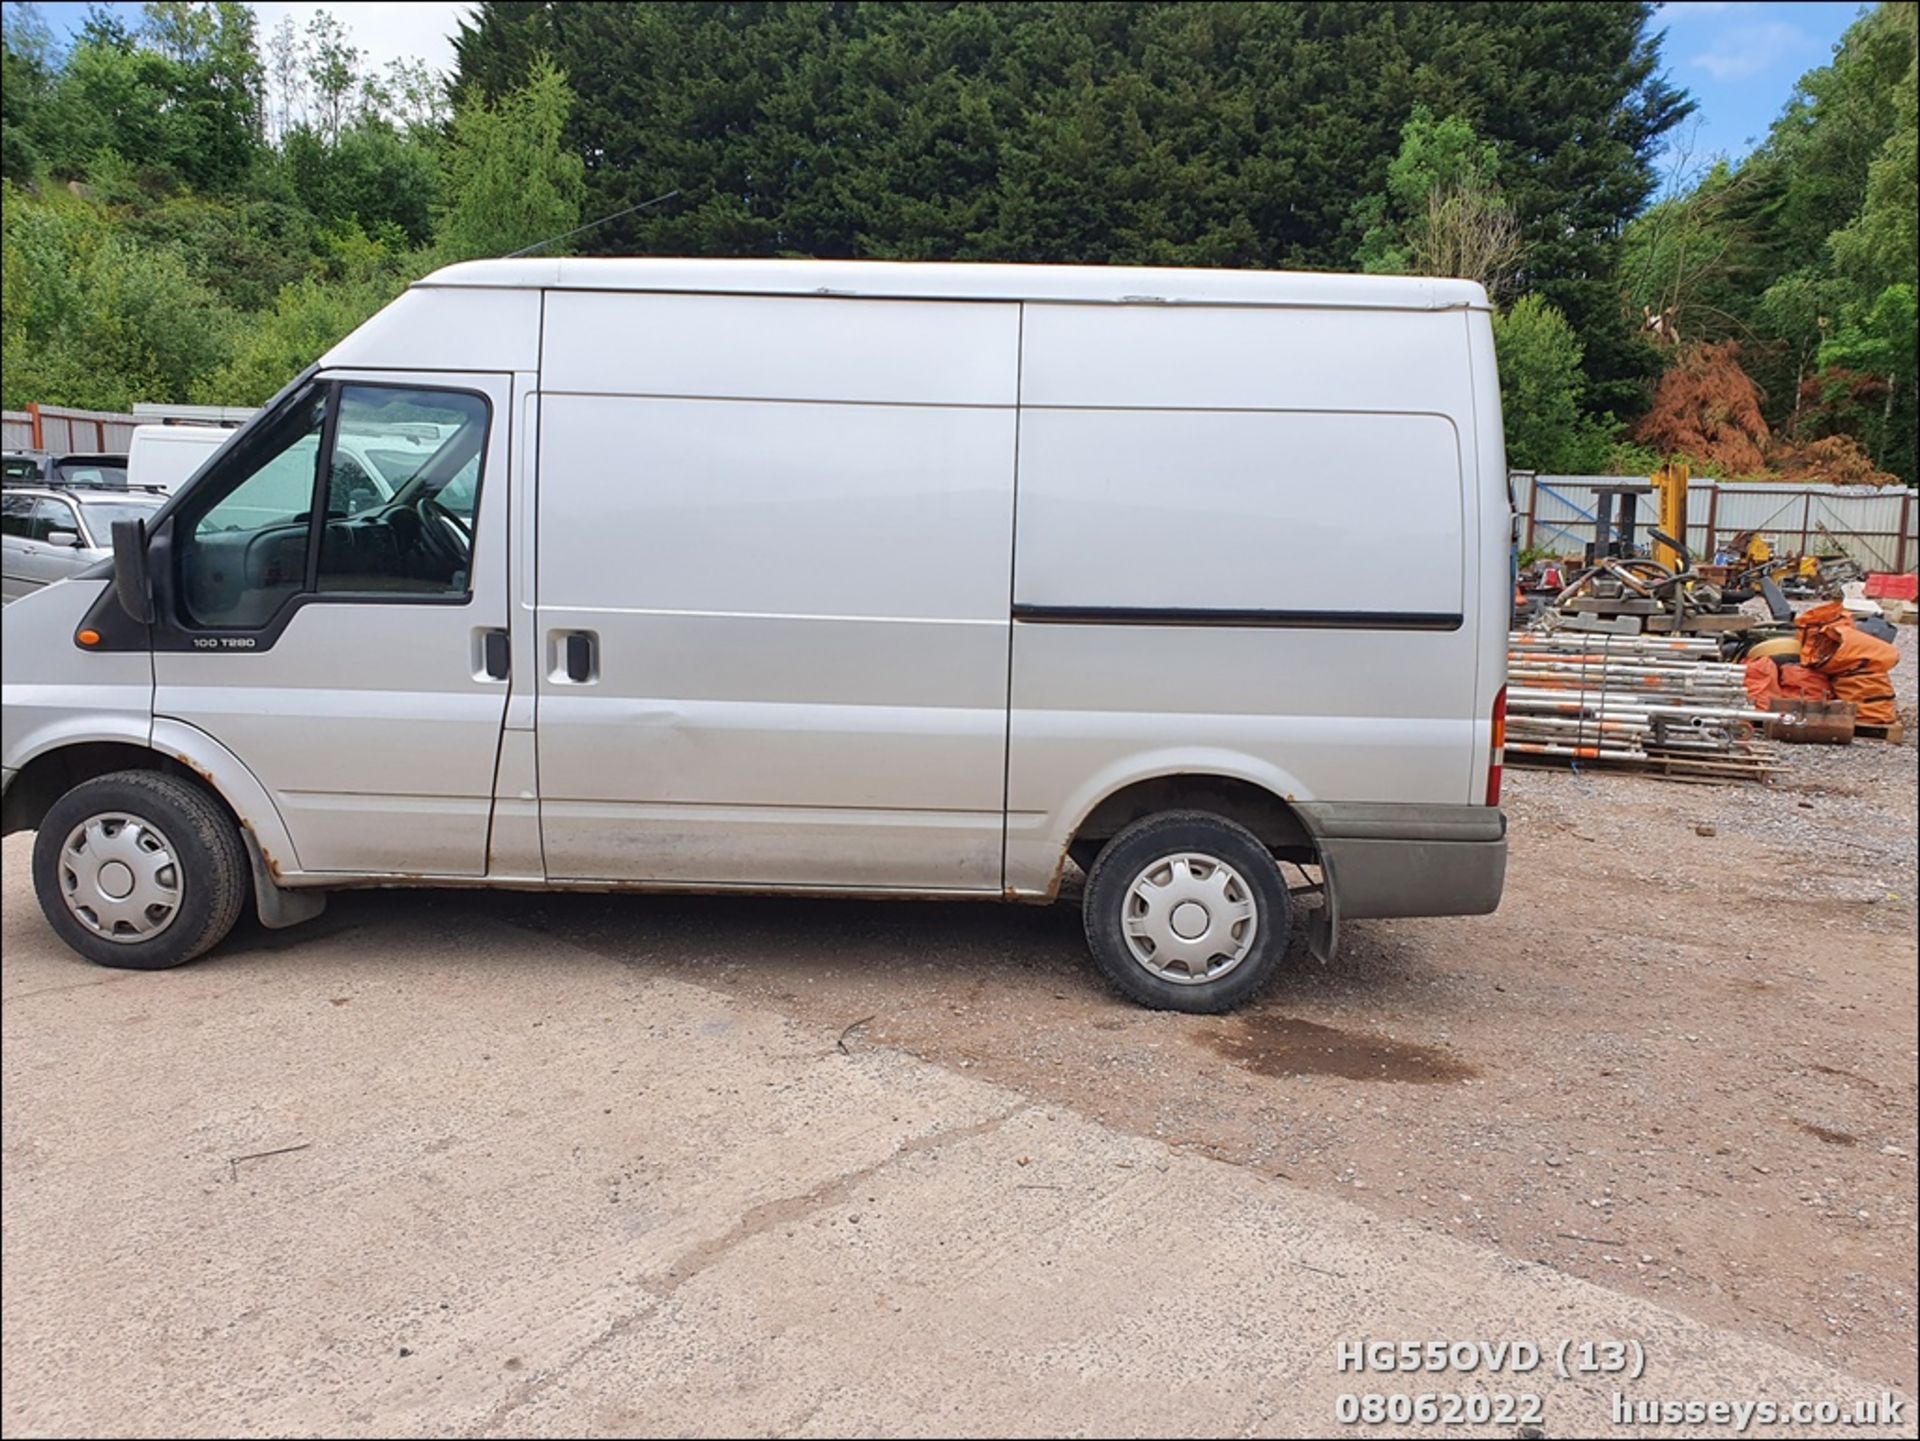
{"x": 139, "y": 870}
{"x": 1186, "y": 911}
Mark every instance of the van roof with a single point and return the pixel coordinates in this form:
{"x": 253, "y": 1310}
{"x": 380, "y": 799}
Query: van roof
{"x": 908, "y": 280}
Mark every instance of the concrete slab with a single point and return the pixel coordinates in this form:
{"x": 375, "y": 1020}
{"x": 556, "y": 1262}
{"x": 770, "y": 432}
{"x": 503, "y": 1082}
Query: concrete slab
{"x": 436, "y": 1176}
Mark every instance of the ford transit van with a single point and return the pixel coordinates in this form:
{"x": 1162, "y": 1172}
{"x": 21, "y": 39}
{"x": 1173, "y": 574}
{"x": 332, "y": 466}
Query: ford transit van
{"x": 831, "y": 577}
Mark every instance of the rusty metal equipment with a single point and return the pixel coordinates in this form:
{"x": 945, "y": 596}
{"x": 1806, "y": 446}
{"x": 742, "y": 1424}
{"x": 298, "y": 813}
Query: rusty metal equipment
{"x": 1616, "y": 515}
{"x": 1811, "y": 722}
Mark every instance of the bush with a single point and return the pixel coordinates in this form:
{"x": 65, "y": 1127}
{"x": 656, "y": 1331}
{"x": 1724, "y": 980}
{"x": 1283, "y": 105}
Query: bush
{"x": 94, "y": 317}
{"x": 1541, "y": 390}
{"x": 309, "y": 317}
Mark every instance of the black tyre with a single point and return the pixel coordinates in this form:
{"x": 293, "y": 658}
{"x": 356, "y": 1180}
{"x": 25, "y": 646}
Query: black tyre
{"x": 139, "y": 870}
{"x": 1186, "y": 911}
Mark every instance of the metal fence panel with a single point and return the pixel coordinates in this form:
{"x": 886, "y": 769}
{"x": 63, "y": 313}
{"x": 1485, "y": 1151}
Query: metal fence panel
{"x": 62, "y": 428}
{"x": 1878, "y": 527}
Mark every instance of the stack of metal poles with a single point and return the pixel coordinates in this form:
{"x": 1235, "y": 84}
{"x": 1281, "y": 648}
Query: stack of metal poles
{"x": 1661, "y": 702}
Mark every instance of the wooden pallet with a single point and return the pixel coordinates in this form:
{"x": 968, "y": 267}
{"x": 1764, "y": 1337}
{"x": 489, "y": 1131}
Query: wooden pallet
{"x": 1892, "y": 734}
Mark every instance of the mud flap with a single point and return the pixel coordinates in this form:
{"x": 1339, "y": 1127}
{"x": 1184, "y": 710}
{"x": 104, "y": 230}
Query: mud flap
{"x": 277, "y": 906}
{"x": 1323, "y": 921}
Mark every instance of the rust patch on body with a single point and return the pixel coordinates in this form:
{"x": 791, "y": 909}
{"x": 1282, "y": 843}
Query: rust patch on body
{"x": 1283, "y": 1046}
{"x": 266, "y": 856}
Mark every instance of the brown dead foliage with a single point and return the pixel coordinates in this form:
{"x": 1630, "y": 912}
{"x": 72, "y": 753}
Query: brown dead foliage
{"x": 1707, "y": 408}
{"x": 1831, "y": 460}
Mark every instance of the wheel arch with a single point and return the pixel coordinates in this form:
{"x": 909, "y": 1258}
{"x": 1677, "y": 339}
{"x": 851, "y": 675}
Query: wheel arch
{"x": 51, "y": 773}
{"x": 1263, "y": 805}
{"x": 175, "y": 749}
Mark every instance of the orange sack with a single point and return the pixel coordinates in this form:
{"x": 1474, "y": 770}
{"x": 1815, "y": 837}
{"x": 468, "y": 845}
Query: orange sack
{"x": 1855, "y": 663}
{"x": 1799, "y": 683}
{"x": 1768, "y": 681}
{"x": 1763, "y": 683}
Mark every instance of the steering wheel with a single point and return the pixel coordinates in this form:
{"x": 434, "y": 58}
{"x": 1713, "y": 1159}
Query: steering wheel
{"x": 443, "y": 532}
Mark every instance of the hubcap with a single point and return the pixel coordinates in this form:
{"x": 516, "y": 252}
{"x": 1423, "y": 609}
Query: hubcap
{"x": 1189, "y": 918}
{"x": 120, "y": 878}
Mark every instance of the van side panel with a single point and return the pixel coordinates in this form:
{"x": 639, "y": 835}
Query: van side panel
{"x": 1244, "y": 547}
{"x": 1239, "y": 510}
{"x": 786, "y": 523}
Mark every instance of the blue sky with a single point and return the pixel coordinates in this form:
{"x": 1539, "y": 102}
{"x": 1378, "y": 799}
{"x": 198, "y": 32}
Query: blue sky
{"x": 1738, "y": 58}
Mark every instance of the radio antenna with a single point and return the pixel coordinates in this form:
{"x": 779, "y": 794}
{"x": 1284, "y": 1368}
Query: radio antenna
{"x": 591, "y": 224}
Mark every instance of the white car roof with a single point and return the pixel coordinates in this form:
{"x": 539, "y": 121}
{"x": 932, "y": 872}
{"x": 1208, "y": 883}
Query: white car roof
{"x": 901, "y": 280}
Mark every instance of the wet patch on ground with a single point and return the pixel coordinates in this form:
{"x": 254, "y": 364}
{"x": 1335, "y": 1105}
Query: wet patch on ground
{"x": 1274, "y": 1045}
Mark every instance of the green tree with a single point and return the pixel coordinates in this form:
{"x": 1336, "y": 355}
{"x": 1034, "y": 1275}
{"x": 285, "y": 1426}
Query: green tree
{"x": 1542, "y": 393}
{"x": 333, "y": 72}
{"x": 1879, "y": 339}
{"x": 1442, "y": 212}
{"x": 510, "y": 179}
{"x": 90, "y": 316}
{"x": 1175, "y": 132}
{"x": 27, "y": 63}
{"x": 370, "y": 175}
{"x": 307, "y": 318}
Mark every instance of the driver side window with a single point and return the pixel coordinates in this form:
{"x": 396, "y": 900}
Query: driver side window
{"x": 245, "y": 555}
{"x": 247, "y": 543}
{"x": 390, "y": 525}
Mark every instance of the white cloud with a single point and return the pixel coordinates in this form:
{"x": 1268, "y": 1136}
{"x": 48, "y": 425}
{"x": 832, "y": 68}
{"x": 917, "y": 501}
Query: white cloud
{"x": 1745, "y": 50}
{"x": 384, "y": 30}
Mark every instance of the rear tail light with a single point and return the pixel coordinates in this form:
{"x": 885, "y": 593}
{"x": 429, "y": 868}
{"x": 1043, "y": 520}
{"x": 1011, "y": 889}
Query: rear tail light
{"x": 1496, "y": 751}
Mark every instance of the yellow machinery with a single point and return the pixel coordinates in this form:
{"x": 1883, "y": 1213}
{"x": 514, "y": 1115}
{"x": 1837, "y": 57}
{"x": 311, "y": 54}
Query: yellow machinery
{"x": 1670, "y": 489}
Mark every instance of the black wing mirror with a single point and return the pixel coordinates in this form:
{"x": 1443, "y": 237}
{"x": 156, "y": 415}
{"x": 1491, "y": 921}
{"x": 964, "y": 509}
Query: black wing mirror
{"x": 130, "y": 586}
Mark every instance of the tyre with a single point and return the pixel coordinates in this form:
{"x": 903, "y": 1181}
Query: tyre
{"x": 139, "y": 870}
{"x": 1186, "y": 911}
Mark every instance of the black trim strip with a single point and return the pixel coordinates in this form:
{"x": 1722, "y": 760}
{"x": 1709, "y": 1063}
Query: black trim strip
{"x": 1246, "y": 619}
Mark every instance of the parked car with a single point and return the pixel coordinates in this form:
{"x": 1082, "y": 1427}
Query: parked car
{"x": 846, "y": 578}
{"x": 48, "y": 533}
{"x": 44, "y": 467}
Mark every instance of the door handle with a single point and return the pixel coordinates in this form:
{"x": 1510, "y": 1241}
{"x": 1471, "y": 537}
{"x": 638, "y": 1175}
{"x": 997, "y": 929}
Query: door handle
{"x": 579, "y": 657}
{"x": 498, "y": 657}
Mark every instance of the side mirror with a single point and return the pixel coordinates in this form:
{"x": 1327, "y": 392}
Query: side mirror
{"x": 130, "y": 586}
{"x": 68, "y": 539}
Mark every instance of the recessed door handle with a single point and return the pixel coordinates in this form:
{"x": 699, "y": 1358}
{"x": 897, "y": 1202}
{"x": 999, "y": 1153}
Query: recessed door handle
{"x": 581, "y": 646}
{"x": 499, "y": 657}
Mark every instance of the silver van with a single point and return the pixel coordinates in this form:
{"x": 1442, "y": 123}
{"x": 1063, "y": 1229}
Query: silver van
{"x": 830, "y": 577}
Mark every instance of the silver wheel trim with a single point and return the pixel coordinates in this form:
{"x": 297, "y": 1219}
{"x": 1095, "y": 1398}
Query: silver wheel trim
{"x": 120, "y": 877}
{"x": 1189, "y": 918}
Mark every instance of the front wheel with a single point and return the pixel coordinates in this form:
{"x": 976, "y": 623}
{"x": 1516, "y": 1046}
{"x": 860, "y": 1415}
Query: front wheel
{"x": 1186, "y": 911}
{"x": 139, "y": 870}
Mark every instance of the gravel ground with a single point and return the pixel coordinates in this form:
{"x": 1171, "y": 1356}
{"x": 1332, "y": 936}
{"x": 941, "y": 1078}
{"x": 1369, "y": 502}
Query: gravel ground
{"x": 1677, "y": 1064}
{"x": 1680, "y": 1061}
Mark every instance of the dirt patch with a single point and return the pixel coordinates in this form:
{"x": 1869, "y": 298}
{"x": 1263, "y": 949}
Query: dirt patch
{"x": 1831, "y": 1137}
{"x": 1286, "y": 1046}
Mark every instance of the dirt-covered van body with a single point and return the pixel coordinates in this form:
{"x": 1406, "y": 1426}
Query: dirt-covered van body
{"x": 820, "y": 576}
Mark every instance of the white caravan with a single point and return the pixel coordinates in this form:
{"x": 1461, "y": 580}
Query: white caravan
{"x": 833, "y": 577}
